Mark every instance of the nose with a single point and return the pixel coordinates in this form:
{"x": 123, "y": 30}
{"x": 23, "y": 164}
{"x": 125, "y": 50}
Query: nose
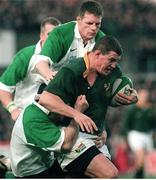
{"x": 94, "y": 27}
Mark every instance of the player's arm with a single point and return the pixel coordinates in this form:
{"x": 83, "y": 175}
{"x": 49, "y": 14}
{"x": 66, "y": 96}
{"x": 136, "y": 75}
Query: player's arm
{"x": 14, "y": 73}
{"x": 123, "y": 99}
{"x": 71, "y": 134}
{"x": 55, "y": 104}
{"x": 45, "y": 71}
{"x": 6, "y": 99}
{"x": 52, "y": 52}
{"x": 81, "y": 103}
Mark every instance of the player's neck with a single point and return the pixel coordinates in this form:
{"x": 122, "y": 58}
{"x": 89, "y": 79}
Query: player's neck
{"x": 91, "y": 77}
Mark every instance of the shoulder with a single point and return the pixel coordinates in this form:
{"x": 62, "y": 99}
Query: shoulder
{"x": 66, "y": 31}
{"x": 23, "y": 56}
{"x": 66, "y": 27}
{"x": 28, "y": 51}
{"x": 63, "y": 33}
{"x": 76, "y": 66}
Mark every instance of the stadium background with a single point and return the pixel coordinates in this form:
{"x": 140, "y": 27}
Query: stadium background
{"x": 131, "y": 21}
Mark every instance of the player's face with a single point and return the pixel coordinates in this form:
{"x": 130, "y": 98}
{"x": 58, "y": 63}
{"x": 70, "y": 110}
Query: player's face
{"x": 106, "y": 63}
{"x": 88, "y": 25}
{"x": 47, "y": 29}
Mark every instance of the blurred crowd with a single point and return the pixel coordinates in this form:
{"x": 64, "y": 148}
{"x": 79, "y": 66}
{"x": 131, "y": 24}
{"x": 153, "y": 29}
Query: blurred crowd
{"x": 124, "y": 15}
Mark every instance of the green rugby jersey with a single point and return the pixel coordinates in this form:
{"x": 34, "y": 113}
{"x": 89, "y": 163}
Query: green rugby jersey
{"x": 69, "y": 83}
{"x": 33, "y": 141}
{"x": 17, "y": 70}
{"x": 20, "y": 78}
{"x": 65, "y": 43}
{"x": 139, "y": 119}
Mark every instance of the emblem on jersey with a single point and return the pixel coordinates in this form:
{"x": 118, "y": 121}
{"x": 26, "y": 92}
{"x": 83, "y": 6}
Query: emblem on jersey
{"x": 106, "y": 86}
{"x": 80, "y": 148}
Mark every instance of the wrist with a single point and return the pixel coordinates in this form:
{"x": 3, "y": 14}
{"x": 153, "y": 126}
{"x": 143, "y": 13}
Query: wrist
{"x": 11, "y": 107}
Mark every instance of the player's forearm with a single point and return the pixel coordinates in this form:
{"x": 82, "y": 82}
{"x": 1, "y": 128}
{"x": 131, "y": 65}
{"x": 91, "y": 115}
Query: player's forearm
{"x": 44, "y": 70}
{"x": 71, "y": 134}
{"x": 55, "y": 104}
{"x": 5, "y": 98}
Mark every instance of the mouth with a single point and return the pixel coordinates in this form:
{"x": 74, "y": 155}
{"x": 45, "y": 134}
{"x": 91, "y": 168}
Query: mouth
{"x": 92, "y": 34}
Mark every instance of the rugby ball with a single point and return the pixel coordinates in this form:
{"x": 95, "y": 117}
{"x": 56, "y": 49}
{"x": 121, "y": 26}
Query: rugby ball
{"x": 123, "y": 85}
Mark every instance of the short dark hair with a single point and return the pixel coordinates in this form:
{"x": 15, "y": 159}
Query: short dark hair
{"x": 107, "y": 44}
{"x": 49, "y": 20}
{"x": 92, "y": 7}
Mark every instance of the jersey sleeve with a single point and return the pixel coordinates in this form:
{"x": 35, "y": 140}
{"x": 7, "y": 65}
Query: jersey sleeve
{"x": 55, "y": 46}
{"x": 17, "y": 70}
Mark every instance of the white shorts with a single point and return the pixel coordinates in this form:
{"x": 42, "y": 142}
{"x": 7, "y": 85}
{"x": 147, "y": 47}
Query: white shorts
{"x": 83, "y": 143}
{"x": 139, "y": 140}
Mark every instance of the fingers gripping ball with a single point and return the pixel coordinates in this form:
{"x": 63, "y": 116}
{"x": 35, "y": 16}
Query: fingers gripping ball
{"x": 122, "y": 85}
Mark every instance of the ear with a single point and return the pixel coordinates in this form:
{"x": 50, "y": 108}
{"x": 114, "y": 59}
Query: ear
{"x": 41, "y": 35}
{"x": 97, "y": 52}
{"x": 78, "y": 18}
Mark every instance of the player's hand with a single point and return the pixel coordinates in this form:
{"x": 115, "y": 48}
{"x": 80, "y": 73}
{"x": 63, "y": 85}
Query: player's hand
{"x": 85, "y": 122}
{"x": 43, "y": 68}
{"x": 50, "y": 75}
{"x": 123, "y": 99}
{"x": 101, "y": 139}
{"x": 15, "y": 113}
{"x": 81, "y": 103}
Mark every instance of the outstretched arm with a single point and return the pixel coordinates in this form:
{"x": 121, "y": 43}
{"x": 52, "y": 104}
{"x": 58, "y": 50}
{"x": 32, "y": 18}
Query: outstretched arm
{"x": 55, "y": 104}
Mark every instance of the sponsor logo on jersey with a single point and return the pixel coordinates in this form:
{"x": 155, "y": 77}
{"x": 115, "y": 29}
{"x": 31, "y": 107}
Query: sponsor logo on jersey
{"x": 73, "y": 49}
{"x": 80, "y": 148}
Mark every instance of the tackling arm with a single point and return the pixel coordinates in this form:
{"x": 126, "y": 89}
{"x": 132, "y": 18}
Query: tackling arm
{"x": 71, "y": 134}
{"x": 55, "y": 104}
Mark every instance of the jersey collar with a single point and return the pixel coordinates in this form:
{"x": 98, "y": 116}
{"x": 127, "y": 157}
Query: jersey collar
{"x": 38, "y": 47}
